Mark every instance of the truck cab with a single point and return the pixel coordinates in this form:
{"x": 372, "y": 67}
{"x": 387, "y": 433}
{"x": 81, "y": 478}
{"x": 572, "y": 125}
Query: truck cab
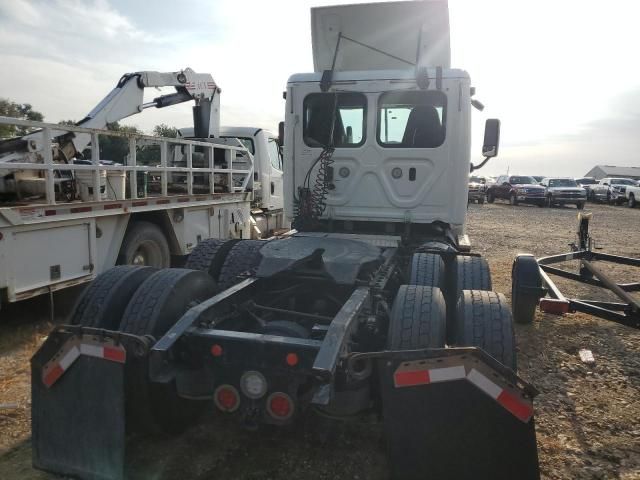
{"x": 268, "y": 199}
{"x": 400, "y": 148}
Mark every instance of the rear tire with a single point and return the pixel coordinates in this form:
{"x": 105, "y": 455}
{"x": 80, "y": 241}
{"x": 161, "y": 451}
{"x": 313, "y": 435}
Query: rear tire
{"x": 418, "y": 318}
{"x": 525, "y": 280}
{"x": 242, "y": 260}
{"x": 426, "y": 269}
{"x": 469, "y": 273}
{"x": 145, "y": 244}
{"x": 483, "y": 319}
{"x": 102, "y": 303}
{"x": 155, "y": 307}
{"x": 480, "y": 200}
{"x": 209, "y": 255}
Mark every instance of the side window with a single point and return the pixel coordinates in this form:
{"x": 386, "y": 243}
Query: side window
{"x": 274, "y": 154}
{"x": 412, "y": 119}
{"x": 348, "y": 123}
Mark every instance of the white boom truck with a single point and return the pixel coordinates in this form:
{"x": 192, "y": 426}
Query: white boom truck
{"x": 64, "y": 220}
{"x": 376, "y": 303}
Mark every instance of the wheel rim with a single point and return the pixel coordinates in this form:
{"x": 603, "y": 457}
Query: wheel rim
{"x": 147, "y": 253}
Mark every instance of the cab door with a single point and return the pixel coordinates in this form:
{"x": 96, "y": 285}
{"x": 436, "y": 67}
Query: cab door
{"x": 276, "y": 199}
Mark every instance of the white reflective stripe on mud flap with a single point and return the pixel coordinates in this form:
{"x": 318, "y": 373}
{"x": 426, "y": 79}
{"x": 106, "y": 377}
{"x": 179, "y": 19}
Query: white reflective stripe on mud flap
{"x": 447, "y": 374}
{"x": 70, "y": 357}
{"x": 484, "y": 384}
{"x": 92, "y": 350}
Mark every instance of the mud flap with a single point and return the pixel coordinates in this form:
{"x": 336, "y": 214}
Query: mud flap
{"x": 457, "y": 417}
{"x": 78, "y": 405}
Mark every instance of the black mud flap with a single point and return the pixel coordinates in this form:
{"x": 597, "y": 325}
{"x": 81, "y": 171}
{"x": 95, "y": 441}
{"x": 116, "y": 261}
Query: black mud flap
{"x": 459, "y": 416}
{"x": 78, "y": 403}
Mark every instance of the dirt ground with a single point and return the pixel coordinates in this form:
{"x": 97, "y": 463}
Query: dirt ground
{"x": 587, "y": 417}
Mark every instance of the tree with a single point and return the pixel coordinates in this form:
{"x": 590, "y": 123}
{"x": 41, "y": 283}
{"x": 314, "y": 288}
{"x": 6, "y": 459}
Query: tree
{"x": 164, "y": 130}
{"x": 23, "y": 111}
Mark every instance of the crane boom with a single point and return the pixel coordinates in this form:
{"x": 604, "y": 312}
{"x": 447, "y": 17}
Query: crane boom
{"x": 126, "y": 99}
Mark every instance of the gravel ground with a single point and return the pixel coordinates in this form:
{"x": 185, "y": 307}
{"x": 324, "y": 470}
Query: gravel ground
{"x": 587, "y": 416}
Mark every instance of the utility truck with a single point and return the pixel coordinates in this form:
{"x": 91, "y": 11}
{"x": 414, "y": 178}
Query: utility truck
{"x": 67, "y": 213}
{"x": 375, "y": 304}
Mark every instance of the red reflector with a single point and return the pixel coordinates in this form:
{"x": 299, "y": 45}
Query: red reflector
{"x": 226, "y": 398}
{"x": 408, "y": 379}
{"x": 216, "y": 350}
{"x": 280, "y": 406}
{"x": 114, "y": 354}
{"x": 53, "y": 375}
{"x": 292, "y": 359}
{"x": 519, "y": 409}
{"x": 554, "y": 306}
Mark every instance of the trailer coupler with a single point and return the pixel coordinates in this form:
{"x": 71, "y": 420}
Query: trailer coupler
{"x": 78, "y": 401}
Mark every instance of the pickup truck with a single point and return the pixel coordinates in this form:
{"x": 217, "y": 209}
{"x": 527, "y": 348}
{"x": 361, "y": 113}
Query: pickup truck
{"x": 564, "y": 191}
{"x": 517, "y": 189}
{"x": 612, "y": 190}
{"x": 633, "y": 195}
{"x": 477, "y": 189}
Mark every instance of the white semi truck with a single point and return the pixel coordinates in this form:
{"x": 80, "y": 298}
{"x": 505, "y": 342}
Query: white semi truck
{"x": 66, "y": 214}
{"x": 375, "y": 305}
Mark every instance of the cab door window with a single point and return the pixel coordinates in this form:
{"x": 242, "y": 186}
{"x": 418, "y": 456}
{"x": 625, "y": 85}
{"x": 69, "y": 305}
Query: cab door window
{"x": 412, "y": 119}
{"x": 274, "y": 154}
{"x": 343, "y": 114}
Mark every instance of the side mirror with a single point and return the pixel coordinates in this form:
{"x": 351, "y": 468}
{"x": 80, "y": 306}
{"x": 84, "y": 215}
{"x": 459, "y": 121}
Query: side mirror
{"x": 281, "y": 134}
{"x": 491, "y": 137}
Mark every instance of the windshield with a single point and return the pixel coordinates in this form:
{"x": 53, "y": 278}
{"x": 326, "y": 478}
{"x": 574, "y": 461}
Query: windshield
{"x": 521, "y": 180}
{"x": 622, "y": 181}
{"x": 562, "y": 182}
{"x": 247, "y": 142}
{"x": 476, "y": 180}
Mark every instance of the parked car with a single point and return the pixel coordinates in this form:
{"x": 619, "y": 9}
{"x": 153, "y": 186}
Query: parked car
{"x": 564, "y": 191}
{"x": 633, "y": 195}
{"x": 517, "y": 189}
{"x": 612, "y": 190}
{"x": 477, "y": 189}
{"x": 587, "y": 183}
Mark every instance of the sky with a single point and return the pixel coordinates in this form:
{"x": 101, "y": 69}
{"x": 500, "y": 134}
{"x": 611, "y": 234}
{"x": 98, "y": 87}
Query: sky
{"x": 562, "y": 75}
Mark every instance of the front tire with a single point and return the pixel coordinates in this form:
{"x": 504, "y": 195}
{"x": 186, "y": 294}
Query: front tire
{"x": 632, "y": 201}
{"x": 145, "y": 244}
{"x": 490, "y": 197}
{"x": 513, "y": 199}
{"x": 580, "y": 205}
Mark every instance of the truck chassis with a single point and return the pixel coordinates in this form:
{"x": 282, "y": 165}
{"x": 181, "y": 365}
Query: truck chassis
{"x": 245, "y": 351}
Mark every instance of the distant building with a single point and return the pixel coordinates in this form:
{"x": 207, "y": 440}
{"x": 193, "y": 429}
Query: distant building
{"x": 602, "y": 171}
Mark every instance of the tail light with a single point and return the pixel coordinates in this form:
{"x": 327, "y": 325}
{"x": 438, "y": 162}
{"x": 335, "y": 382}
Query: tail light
{"x": 554, "y": 306}
{"x": 280, "y": 406}
{"x": 226, "y": 398}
